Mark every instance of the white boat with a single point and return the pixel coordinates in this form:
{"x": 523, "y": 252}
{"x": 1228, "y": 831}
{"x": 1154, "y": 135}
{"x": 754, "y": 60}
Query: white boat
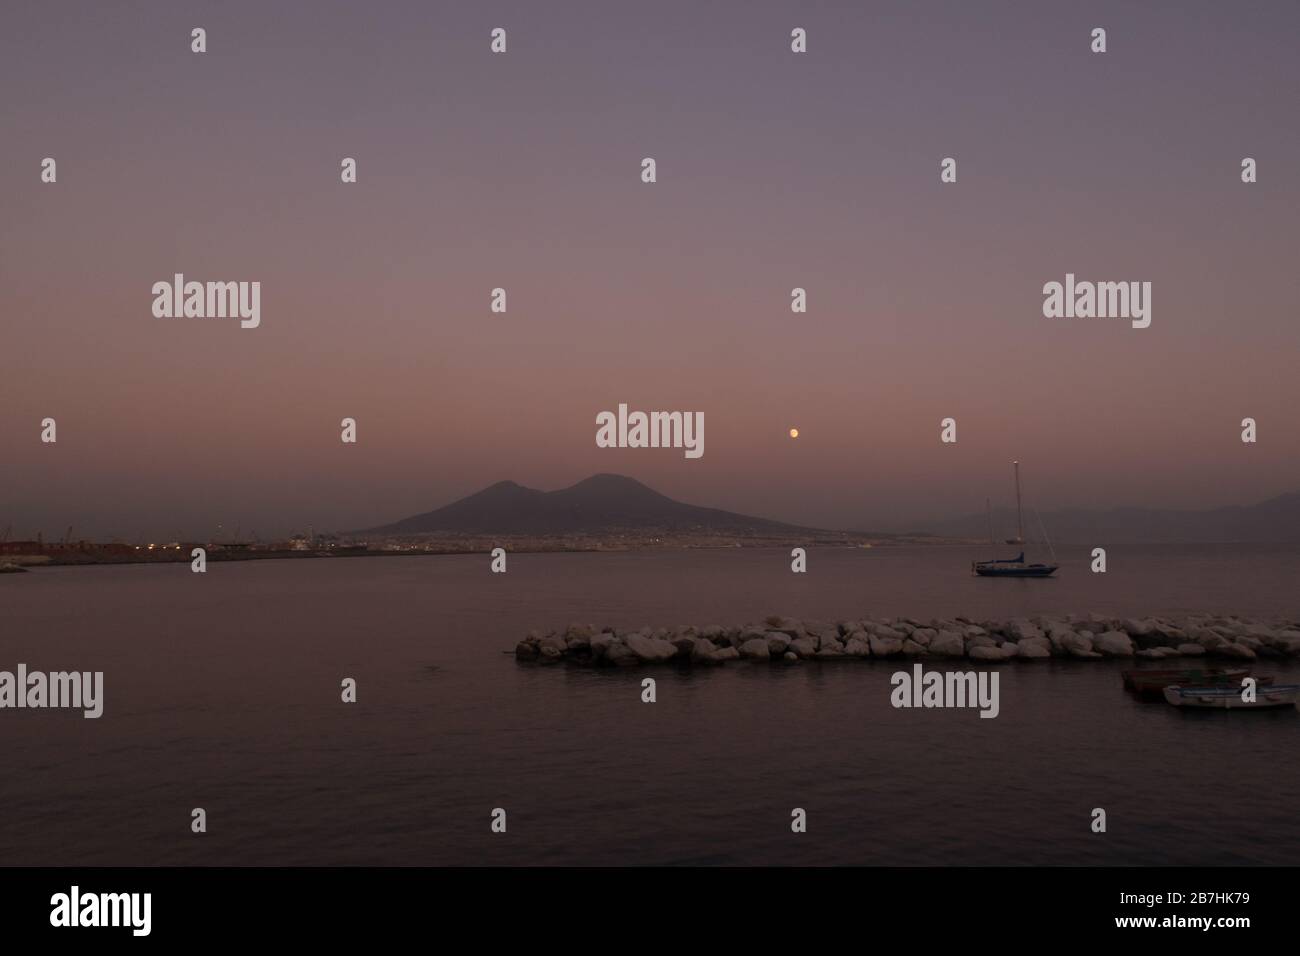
{"x": 1230, "y": 698}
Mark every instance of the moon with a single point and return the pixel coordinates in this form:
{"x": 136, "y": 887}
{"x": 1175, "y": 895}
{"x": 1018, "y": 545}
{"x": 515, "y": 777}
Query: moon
{"x": 794, "y": 433}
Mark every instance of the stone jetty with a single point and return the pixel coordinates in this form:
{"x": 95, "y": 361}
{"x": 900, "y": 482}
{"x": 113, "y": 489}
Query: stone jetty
{"x": 785, "y": 640}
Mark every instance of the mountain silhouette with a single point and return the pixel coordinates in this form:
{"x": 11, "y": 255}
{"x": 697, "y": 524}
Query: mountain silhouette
{"x": 599, "y": 503}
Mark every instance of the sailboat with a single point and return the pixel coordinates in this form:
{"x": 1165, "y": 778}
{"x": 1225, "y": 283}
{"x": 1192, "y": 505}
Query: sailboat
{"x": 1013, "y": 567}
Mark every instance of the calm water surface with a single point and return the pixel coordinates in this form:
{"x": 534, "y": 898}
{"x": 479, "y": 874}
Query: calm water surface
{"x": 222, "y": 692}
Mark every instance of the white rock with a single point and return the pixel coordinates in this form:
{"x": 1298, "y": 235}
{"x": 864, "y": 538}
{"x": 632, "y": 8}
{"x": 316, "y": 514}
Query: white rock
{"x": 1079, "y": 646}
{"x": 804, "y": 646}
{"x": 948, "y": 644}
{"x": 1020, "y": 628}
{"x": 705, "y": 651}
{"x": 620, "y": 654}
{"x": 778, "y": 642}
{"x": 858, "y": 647}
{"x": 650, "y": 650}
{"x": 1290, "y": 646}
{"x": 885, "y": 646}
{"x": 580, "y": 631}
{"x": 1113, "y": 644}
{"x": 600, "y": 645}
{"x": 755, "y": 650}
{"x": 1096, "y": 624}
{"x": 684, "y": 644}
{"x": 1035, "y": 648}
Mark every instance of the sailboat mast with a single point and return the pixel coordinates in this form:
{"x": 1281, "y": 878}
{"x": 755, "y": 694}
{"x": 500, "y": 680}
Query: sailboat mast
{"x": 1020, "y": 520}
{"x": 988, "y": 507}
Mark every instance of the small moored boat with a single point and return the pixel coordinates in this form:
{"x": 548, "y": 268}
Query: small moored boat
{"x": 1151, "y": 682}
{"x": 1013, "y": 568}
{"x": 1230, "y": 698}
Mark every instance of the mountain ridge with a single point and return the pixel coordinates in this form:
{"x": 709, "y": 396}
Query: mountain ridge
{"x": 601, "y": 502}
{"x": 609, "y": 502}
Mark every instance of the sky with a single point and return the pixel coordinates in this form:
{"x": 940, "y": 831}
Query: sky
{"x": 522, "y": 170}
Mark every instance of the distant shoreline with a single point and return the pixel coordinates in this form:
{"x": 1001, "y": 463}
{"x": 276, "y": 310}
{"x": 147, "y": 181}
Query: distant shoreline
{"x": 87, "y": 557}
{"x": 175, "y": 555}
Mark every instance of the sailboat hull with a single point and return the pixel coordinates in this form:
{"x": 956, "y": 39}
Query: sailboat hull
{"x": 1015, "y": 571}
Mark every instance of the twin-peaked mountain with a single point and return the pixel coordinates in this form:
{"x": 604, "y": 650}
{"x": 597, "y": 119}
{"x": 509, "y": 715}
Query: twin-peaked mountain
{"x": 598, "y": 503}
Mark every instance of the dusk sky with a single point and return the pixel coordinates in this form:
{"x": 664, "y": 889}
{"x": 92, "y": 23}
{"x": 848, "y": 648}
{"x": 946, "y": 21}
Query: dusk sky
{"x": 522, "y": 171}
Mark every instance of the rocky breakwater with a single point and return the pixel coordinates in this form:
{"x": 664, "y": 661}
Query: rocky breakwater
{"x": 780, "y": 639}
